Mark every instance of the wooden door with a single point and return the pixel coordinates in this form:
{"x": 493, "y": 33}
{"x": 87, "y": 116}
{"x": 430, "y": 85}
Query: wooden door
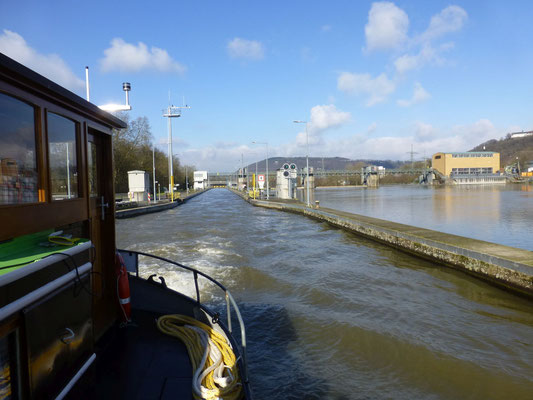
{"x": 102, "y": 228}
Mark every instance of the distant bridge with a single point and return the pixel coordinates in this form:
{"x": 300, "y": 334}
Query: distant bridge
{"x": 232, "y": 176}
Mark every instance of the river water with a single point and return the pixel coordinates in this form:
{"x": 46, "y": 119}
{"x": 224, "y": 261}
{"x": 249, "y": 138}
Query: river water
{"x": 330, "y": 315}
{"x": 495, "y": 213}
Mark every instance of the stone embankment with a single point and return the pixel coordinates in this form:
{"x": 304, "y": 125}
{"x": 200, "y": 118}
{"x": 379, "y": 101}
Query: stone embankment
{"x": 134, "y": 212}
{"x": 505, "y": 266}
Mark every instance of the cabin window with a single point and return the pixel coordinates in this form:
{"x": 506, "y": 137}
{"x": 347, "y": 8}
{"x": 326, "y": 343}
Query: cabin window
{"x": 62, "y": 150}
{"x": 6, "y": 375}
{"x": 437, "y": 157}
{"x": 18, "y": 162}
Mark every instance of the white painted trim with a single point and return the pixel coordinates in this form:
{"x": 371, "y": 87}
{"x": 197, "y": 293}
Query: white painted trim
{"x": 76, "y": 377}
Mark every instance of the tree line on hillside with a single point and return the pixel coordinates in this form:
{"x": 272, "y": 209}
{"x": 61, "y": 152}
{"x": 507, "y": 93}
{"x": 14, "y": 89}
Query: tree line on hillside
{"x": 511, "y": 150}
{"x": 132, "y": 150}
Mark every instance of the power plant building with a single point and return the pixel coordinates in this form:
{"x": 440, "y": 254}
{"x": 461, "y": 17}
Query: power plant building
{"x": 466, "y": 163}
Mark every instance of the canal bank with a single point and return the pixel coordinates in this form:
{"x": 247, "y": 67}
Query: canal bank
{"x": 505, "y": 266}
{"x": 134, "y": 212}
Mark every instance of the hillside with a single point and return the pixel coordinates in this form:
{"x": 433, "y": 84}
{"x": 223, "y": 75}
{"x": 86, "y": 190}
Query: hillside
{"x": 510, "y": 149}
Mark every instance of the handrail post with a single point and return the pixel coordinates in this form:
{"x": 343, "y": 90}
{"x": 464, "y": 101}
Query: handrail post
{"x": 228, "y": 311}
{"x": 196, "y": 286}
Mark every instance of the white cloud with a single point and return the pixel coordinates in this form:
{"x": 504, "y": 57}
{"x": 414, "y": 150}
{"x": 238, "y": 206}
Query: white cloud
{"x": 323, "y": 117}
{"x": 419, "y": 95}
{"x": 50, "y": 65}
{"x": 327, "y": 116}
{"x": 427, "y": 55}
{"x": 372, "y": 127}
{"x": 127, "y": 57}
{"x": 397, "y": 147}
{"x": 426, "y": 139}
{"x": 376, "y": 89}
{"x": 424, "y": 132}
{"x": 451, "y": 19}
{"x": 387, "y": 27}
{"x": 478, "y": 132}
{"x": 246, "y": 49}
{"x": 221, "y": 157}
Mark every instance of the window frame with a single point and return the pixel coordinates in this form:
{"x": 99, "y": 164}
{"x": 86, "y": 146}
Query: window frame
{"x": 38, "y": 146}
{"x": 79, "y": 165}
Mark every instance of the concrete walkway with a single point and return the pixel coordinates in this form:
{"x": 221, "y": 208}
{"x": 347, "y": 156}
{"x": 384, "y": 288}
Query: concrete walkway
{"x": 134, "y": 212}
{"x": 504, "y": 266}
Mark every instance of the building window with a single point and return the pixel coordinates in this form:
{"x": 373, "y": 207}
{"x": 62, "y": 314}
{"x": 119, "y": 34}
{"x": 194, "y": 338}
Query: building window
{"x": 62, "y": 149}
{"x": 18, "y": 157}
{"x": 437, "y": 157}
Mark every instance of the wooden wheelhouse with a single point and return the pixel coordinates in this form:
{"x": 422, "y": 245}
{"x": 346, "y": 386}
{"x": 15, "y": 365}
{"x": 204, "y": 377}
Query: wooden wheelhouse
{"x": 56, "y": 172}
{"x": 60, "y": 335}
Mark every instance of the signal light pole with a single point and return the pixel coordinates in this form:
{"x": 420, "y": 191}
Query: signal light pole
{"x": 307, "y": 159}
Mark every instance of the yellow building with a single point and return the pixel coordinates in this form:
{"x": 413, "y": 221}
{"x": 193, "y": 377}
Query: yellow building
{"x": 467, "y": 163}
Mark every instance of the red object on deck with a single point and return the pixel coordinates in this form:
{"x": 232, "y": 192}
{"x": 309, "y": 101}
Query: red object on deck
{"x": 123, "y": 288}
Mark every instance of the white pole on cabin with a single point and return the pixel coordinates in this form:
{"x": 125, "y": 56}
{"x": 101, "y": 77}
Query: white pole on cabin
{"x": 87, "y": 83}
{"x": 68, "y": 173}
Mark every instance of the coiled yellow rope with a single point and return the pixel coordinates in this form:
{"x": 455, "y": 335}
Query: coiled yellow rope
{"x": 216, "y": 374}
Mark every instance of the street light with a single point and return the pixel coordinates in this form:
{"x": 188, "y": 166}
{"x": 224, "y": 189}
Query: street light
{"x": 265, "y": 143}
{"x": 171, "y": 112}
{"x": 153, "y": 164}
{"x": 307, "y": 158}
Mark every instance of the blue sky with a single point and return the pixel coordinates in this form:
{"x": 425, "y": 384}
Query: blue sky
{"x": 371, "y": 78}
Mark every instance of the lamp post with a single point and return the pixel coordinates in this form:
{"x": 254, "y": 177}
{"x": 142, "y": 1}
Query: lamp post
{"x": 265, "y": 143}
{"x": 307, "y": 158}
{"x": 187, "y": 179}
{"x": 153, "y": 164}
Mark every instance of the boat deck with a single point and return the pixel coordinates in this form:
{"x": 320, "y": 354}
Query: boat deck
{"x": 138, "y": 362}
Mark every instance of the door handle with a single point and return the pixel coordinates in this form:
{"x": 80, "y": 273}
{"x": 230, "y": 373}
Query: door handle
{"x": 103, "y": 205}
{"x": 68, "y": 337}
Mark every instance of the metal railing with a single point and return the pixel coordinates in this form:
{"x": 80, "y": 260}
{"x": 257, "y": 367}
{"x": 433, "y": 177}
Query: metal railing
{"x": 230, "y": 301}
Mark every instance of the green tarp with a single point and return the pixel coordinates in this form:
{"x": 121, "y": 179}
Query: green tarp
{"x": 23, "y": 250}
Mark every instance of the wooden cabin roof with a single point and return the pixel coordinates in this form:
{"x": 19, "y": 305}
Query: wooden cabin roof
{"x": 23, "y": 77}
